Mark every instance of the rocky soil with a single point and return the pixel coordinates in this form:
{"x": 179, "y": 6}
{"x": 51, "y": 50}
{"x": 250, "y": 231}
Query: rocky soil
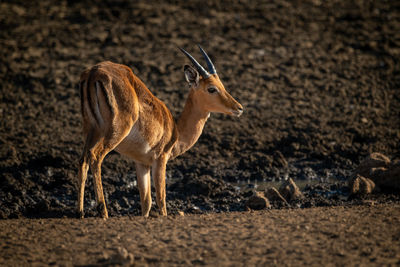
{"x": 318, "y": 80}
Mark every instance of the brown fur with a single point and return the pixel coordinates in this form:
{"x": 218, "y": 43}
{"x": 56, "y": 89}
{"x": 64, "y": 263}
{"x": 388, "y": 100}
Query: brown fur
{"x": 120, "y": 113}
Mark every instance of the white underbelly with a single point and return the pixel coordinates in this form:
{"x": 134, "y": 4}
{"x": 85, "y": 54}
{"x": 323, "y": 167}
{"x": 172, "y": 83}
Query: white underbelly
{"x": 136, "y": 147}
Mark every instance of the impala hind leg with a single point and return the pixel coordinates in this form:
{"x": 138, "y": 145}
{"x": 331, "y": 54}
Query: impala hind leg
{"x": 96, "y": 159}
{"x": 93, "y": 154}
{"x": 82, "y": 175}
{"x": 143, "y": 178}
{"x": 97, "y": 155}
{"x": 158, "y": 172}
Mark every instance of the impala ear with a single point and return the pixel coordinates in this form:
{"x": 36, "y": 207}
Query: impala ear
{"x": 191, "y": 75}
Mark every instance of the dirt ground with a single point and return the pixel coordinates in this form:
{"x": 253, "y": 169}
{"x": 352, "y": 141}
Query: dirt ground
{"x": 339, "y": 236}
{"x": 319, "y": 82}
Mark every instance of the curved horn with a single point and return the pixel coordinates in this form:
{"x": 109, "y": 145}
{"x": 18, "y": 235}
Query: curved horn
{"x": 199, "y": 68}
{"x": 210, "y": 65}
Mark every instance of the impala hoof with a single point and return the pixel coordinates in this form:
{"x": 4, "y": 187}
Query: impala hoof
{"x": 101, "y": 209}
{"x": 80, "y": 214}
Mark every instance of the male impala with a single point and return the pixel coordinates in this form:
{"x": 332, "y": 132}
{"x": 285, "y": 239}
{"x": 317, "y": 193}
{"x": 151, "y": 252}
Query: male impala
{"x": 120, "y": 113}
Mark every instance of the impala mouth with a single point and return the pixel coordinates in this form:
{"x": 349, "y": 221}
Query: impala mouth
{"x": 237, "y": 112}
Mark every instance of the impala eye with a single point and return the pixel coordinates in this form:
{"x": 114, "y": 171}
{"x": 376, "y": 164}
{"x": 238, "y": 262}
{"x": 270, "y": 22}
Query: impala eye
{"x": 212, "y": 90}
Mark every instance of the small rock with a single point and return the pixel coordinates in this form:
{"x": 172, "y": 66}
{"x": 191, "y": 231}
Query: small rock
{"x": 273, "y": 194}
{"x": 377, "y": 174}
{"x": 181, "y": 213}
{"x": 290, "y": 191}
{"x": 121, "y": 257}
{"x": 258, "y": 201}
{"x": 374, "y": 160}
{"x": 360, "y": 185}
{"x": 194, "y": 209}
{"x": 387, "y": 179}
{"x": 379, "y": 169}
{"x": 368, "y": 202}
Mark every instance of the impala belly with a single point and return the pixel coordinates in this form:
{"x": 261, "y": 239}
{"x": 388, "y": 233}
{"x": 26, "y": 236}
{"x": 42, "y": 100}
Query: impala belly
{"x": 136, "y": 147}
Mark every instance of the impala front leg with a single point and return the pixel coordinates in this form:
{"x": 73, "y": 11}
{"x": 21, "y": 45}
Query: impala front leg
{"x": 143, "y": 178}
{"x": 159, "y": 167}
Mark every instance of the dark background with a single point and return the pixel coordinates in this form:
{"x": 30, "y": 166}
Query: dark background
{"x": 319, "y": 82}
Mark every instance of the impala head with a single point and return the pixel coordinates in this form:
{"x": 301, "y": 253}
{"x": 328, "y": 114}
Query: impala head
{"x": 209, "y": 92}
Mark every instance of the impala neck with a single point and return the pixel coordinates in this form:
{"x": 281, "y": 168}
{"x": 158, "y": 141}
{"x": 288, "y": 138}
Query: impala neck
{"x": 190, "y": 125}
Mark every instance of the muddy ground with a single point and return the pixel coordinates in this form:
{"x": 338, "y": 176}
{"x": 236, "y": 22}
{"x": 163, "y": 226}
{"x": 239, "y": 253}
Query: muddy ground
{"x": 319, "y": 82}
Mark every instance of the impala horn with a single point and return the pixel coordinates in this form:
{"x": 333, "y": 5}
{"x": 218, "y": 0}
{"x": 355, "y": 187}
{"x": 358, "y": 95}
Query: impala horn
{"x": 210, "y": 65}
{"x": 199, "y": 68}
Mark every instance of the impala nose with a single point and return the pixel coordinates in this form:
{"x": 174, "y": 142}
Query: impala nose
{"x": 238, "y": 111}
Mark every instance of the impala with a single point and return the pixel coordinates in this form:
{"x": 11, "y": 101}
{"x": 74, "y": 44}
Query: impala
{"x": 120, "y": 113}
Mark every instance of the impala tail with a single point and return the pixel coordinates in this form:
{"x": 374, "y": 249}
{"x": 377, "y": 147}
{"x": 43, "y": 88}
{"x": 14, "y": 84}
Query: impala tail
{"x": 97, "y": 98}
